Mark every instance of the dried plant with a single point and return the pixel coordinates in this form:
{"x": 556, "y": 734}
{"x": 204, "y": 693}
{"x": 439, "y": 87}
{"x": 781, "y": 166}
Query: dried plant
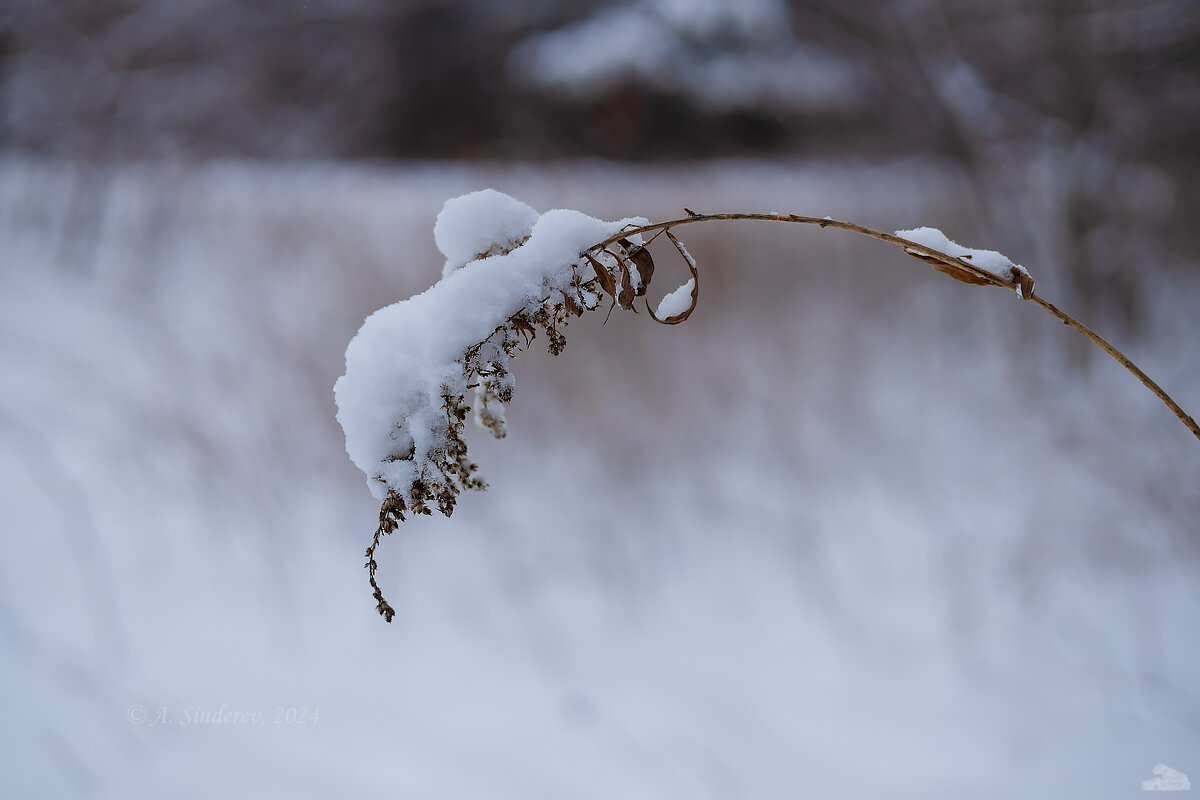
{"x": 621, "y": 268}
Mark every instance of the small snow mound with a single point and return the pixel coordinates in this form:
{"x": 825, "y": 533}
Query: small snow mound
{"x": 991, "y": 261}
{"x": 481, "y": 223}
{"x": 677, "y": 301}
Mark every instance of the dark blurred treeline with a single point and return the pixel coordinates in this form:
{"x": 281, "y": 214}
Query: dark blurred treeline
{"x": 1077, "y": 121}
{"x": 531, "y": 79}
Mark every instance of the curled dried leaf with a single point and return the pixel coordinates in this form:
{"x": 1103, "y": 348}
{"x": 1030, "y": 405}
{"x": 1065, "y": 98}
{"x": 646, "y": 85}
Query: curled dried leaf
{"x": 675, "y": 319}
{"x": 1024, "y": 282}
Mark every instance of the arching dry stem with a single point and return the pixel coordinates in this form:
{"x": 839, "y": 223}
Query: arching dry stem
{"x": 958, "y": 268}
{"x": 1121, "y": 359}
{"x": 486, "y": 363}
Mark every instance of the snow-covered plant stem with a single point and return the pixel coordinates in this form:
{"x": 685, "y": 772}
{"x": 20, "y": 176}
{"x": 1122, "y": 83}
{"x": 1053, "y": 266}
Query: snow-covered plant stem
{"x": 511, "y": 273}
{"x": 960, "y": 268}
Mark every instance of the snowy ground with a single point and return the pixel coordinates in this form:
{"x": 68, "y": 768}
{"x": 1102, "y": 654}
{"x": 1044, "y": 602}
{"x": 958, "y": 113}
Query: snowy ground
{"x": 852, "y": 530}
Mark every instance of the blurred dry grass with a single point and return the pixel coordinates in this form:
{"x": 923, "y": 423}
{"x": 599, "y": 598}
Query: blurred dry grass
{"x": 924, "y": 457}
{"x": 236, "y": 263}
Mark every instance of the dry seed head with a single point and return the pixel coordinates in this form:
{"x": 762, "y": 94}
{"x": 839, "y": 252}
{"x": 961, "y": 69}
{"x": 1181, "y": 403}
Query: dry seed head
{"x": 485, "y": 368}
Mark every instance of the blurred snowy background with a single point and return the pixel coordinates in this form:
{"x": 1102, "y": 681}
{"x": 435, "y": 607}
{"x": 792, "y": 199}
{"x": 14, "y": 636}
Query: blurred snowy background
{"x": 852, "y": 530}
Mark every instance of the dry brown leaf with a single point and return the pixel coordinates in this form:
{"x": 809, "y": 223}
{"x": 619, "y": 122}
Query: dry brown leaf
{"x": 644, "y": 263}
{"x": 1025, "y": 281}
{"x": 625, "y": 298}
{"x": 571, "y": 305}
{"x": 953, "y": 270}
{"x": 675, "y": 319}
{"x": 603, "y": 276}
{"x": 522, "y": 325}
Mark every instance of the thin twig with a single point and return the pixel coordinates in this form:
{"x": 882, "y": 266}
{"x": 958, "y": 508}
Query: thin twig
{"x": 1121, "y": 359}
{"x": 936, "y": 255}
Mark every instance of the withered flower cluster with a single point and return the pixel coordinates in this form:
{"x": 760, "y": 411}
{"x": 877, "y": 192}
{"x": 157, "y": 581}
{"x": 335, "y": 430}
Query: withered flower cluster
{"x": 622, "y": 271}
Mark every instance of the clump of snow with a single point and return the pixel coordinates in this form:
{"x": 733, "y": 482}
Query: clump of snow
{"x": 677, "y": 301}
{"x": 989, "y": 261}
{"x": 481, "y": 223}
{"x": 409, "y": 357}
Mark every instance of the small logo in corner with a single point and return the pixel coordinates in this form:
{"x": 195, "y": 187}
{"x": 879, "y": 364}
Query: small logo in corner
{"x": 1166, "y": 780}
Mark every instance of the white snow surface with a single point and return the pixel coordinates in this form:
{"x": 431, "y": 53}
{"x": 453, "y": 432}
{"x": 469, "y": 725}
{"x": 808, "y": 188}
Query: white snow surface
{"x": 676, "y": 302}
{"x": 390, "y": 398}
{"x": 479, "y": 224}
{"x": 991, "y": 261}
